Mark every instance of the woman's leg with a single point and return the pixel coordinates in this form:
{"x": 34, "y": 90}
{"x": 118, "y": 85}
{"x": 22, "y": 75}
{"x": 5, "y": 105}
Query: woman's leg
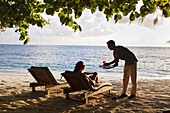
{"x": 95, "y": 78}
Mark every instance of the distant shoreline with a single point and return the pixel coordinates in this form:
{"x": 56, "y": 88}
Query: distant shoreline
{"x": 131, "y": 46}
{"x": 102, "y": 77}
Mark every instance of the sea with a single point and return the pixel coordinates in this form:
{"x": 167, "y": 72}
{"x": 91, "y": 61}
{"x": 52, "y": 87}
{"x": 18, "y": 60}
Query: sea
{"x": 153, "y": 62}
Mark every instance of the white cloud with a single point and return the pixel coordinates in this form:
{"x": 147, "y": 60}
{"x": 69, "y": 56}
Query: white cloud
{"x": 96, "y": 31}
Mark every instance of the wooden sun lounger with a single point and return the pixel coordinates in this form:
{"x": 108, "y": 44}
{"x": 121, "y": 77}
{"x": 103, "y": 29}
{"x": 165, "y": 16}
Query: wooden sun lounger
{"x": 44, "y": 77}
{"x": 79, "y": 82}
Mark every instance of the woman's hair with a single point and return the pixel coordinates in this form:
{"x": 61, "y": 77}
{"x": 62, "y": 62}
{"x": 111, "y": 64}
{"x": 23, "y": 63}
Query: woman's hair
{"x": 78, "y": 66}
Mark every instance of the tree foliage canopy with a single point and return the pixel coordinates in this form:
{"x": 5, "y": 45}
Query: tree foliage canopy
{"x": 20, "y": 14}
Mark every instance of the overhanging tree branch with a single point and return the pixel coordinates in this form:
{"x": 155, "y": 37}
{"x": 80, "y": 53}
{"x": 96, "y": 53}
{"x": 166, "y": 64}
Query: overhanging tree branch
{"x": 21, "y": 14}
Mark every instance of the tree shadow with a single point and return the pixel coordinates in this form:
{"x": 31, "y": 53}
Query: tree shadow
{"x": 36, "y": 102}
{"x": 138, "y": 105}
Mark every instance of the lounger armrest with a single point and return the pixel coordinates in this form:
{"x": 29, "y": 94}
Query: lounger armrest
{"x": 101, "y": 85}
{"x": 68, "y": 90}
{"x": 36, "y": 84}
{"x": 61, "y": 81}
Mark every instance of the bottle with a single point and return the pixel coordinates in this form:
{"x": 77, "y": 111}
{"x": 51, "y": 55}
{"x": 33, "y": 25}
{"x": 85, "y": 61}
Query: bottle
{"x": 104, "y": 61}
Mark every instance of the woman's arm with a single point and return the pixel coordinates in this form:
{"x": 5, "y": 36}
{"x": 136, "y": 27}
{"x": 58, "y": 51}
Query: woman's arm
{"x": 91, "y": 82}
{"x": 88, "y": 73}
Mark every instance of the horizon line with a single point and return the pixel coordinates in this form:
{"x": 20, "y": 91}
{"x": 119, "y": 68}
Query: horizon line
{"x": 86, "y": 45}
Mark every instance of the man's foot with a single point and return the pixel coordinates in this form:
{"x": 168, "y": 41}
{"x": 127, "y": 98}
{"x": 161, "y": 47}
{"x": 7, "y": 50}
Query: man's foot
{"x": 131, "y": 96}
{"x": 122, "y": 96}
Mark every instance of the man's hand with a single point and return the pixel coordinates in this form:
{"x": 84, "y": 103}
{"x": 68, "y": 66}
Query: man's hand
{"x": 106, "y": 64}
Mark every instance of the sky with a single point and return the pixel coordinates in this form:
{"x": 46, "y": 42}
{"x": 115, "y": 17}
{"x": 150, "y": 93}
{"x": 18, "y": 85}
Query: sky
{"x": 96, "y": 31}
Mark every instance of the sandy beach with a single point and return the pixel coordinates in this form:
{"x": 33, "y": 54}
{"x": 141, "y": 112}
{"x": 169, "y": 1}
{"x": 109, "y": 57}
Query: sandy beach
{"x": 153, "y": 96}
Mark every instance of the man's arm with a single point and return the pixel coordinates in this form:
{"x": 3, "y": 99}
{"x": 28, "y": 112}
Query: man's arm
{"x": 88, "y": 73}
{"x": 116, "y": 60}
{"x": 115, "y": 63}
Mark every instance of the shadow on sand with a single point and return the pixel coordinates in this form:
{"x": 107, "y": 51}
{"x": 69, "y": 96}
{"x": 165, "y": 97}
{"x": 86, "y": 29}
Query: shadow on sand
{"x": 37, "y": 102}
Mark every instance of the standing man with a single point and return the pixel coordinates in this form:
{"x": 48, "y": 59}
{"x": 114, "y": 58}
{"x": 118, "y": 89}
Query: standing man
{"x": 130, "y": 68}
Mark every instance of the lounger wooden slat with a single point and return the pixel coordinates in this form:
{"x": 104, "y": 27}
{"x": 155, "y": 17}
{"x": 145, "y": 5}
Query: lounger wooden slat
{"x": 79, "y": 82}
{"x": 44, "y": 77}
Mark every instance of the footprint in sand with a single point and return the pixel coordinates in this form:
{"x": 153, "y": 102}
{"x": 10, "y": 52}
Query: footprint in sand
{"x": 3, "y": 81}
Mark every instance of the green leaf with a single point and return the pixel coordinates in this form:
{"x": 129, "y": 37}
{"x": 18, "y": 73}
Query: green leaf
{"x": 73, "y": 27}
{"x": 26, "y": 41}
{"x": 132, "y": 17}
{"x": 78, "y": 14}
{"x": 50, "y": 11}
{"x": 116, "y": 18}
{"x": 70, "y": 24}
{"x": 143, "y": 9}
{"x": 62, "y": 19}
{"x": 59, "y": 14}
{"x": 119, "y": 16}
{"x": 125, "y": 13}
{"x": 62, "y": 11}
{"x": 22, "y": 37}
{"x": 67, "y": 20}
{"x": 45, "y": 1}
{"x": 41, "y": 10}
{"x": 39, "y": 24}
{"x": 165, "y": 13}
{"x": 39, "y": 3}
{"x": 10, "y": 2}
{"x": 48, "y": 1}
{"x": 93, "y": 10}
{"x": 69, "y": 11}
{"x": 167, "y": 5}
{"x": 15, "y": 30}
{"x": 137, "y": 14}
{"x": 101, "y": 7}
{"x": 77, "y": 1}
{"x": 80, "y": 28}
{"x": 77, "y": 27}
{"x": 156, "y": 20}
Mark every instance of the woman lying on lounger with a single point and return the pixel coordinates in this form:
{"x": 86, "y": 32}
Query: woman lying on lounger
{"x": 93, "y": 78}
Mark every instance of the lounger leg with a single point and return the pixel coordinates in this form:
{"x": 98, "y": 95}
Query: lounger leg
{"x": 47, "y": 90}
{"x": 67, "y": 96}
{"x": 109, "y": 92}
{"x": 85, "y": 101}
{"x": 33, "y": 89}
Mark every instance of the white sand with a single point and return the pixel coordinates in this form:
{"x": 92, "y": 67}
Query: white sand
{"x": 16, "y": 97}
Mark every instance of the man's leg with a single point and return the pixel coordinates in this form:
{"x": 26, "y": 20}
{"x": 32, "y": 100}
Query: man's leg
{"x": 126, "y": 79}
{"x": 133, "y": 70}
